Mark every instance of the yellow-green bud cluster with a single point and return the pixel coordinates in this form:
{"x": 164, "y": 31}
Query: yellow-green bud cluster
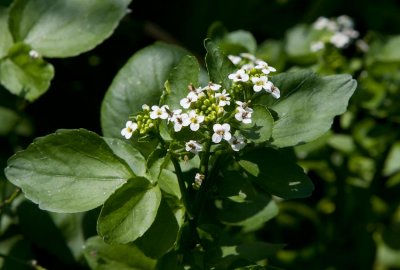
{"x": 144, "y": 122}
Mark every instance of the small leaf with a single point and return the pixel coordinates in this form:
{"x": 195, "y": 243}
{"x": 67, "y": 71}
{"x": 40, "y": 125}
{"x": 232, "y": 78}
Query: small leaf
{"x": 6, "y": 39}
{"x": 8, "y": 119}
{"x": 140, "y": 81}
{"x": 239, "y": 38}
{"x": 298, "y": 44}
{"x": 278, "y": 175}
{"x": 162, "y": 234}
{"x": 68, "y": 171}
{"x": 308, "y": 105}
{"x": 129, "y": 212}
{"x": 132, "y": 156}
{"x": 218, "y": 65}
{"x": 100, "y": 255}
{"x": 24, "y": 75}
{"x": 60, "y": 28}
{"x": 260, "y": 129}
{"x": 185, "y": 73}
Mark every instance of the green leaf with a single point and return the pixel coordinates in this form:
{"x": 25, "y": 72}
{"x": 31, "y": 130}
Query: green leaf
{"x": 6, "y": 39}
{"x": 132, "y": 156}
{"x": 308, "y": 105}
{"x": 24, "y": 75}
{"x": 392, "y": 163}
{"x": 218, "y": 65}
{"x": 276, "y": 173}
{"x": 63, "y": 28}
{"x": 140, "y": 81}
{"x": 8, "y": 119}
{"x": 260, "y": 129}
{"x": 239, "y": 38}
{"x": 298, "y": 44}
{"x": 68, "y": 171}
{"x": 387, "y": 51}
{"x": 129, "y": 212}
{"x": 101, "y": 256}
{"x": 162, "y": 235}
{"x": 185, "y": 73}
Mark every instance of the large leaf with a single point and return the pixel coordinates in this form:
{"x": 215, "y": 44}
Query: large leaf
{"x": 260, "y": 129}
{"x": 24, "y": 75}
{"x": 140, "y": 81}
{"x": 63, "y": 28}
{"x": 162, "y": 234}
{"x": 218, "y": 65}
{"x": 185, "y": 73}
{"x": 308, "y": 105}
{"x": 129, "y": 212}
{"x": 276, "y": 173}
{"x": 68, "y": 171}
{"x": 101, "y": 256}
{"x": 6, "y": 39}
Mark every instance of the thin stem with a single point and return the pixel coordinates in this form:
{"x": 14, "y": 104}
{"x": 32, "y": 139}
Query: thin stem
{"x": 10, "y": 199}
{"x": 32, "y": 264}
{"x": 182, "y": 187}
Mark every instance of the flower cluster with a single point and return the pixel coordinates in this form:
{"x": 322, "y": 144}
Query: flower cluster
{"x": 340, "y": 32}
{"x": 213, "y": 112}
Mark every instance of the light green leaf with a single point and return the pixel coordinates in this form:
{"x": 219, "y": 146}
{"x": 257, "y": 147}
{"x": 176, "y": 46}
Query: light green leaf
{"x": 260, "y": 129}
{"x": 101, "y": 256}
{"x": 242, "y": 38}
{"x": 162, "y": 235}
{"x": 308, "y": 105}
{"x": 63, "y": 28}
{"x": 140, "y": 81}
{"x": 218, "y": 65}
{"x": 68, "y": 171}
{"x": 126, "y": 151}
{"x": 298, "y": 44}
{"x": 392, "y": 163}
{"x": 386, "y": 51}
{"x": 277, "y": 174}
{"x": 129, "y": 212}
{"x": 24, "y": 75}
{"x": 185, "y": 73}
{"x": 6, "y": 39}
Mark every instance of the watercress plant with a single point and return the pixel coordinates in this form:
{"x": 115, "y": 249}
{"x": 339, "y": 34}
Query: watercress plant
{"x": 188, "y": 153}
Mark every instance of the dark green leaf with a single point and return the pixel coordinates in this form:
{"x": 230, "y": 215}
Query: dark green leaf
{"x": 68, "y": 171}
{"x": 162, "y": 234}
{"x": 185, "y": 73}
{"x": 24, "y": 75}
{"x": 260, "y": 129}
{"x": 101, "y": 256}
{"x": 218, "y": 65}
{"x": 129, "y": 212}
{"x": 308, "y": 105}
{"x": 276, "y": 173}
{"x": 140, "y": 81}
{"x": 59, "y": 28}
{"x": 8, "y": 119}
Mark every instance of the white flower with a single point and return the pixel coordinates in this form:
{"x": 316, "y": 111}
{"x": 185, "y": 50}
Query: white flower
{"x": 321, "y": 23}
{"x": 198, "y": 180}
{"x": 265, "y": 68}
{"x": 188, "y": 100}
{"x": 340, "y": 40}
{"x": 145, "y": 107}
{"x": 237, "y": 143}
{"x": 223, "y": 98}
{"x": 34, "y": 54}
{"x": 345, "y": 21}
{"x": 261, "y": 83}
{"x": 158, "y": 112}
{"x": 317, "y": 46}
{"x": 180, "y": 120}
{"x": 243, "y": 115}
{"x": 193, "y": 147}
{"x": 248, "y": 56}
{"x": 221, "y": 132}
{"x": 195, "y": 120}
{"x": 247, "y": 67}
{"x": 212, "y": 86}
{"x": 275, "y": 92}
{"x": 130, "y": 127}
{"x": 239, "y": 76}
{"x": 235, "y": 59}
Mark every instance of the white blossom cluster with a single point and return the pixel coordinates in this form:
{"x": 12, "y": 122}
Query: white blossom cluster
{"x": 341, "y": 32}
{"x": 211, "y": 109}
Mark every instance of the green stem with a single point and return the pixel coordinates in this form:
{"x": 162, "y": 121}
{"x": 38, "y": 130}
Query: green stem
{"x": 182, "y": 187}
{"x": 33, "y": 264}
{"x": 10, "y": 199}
